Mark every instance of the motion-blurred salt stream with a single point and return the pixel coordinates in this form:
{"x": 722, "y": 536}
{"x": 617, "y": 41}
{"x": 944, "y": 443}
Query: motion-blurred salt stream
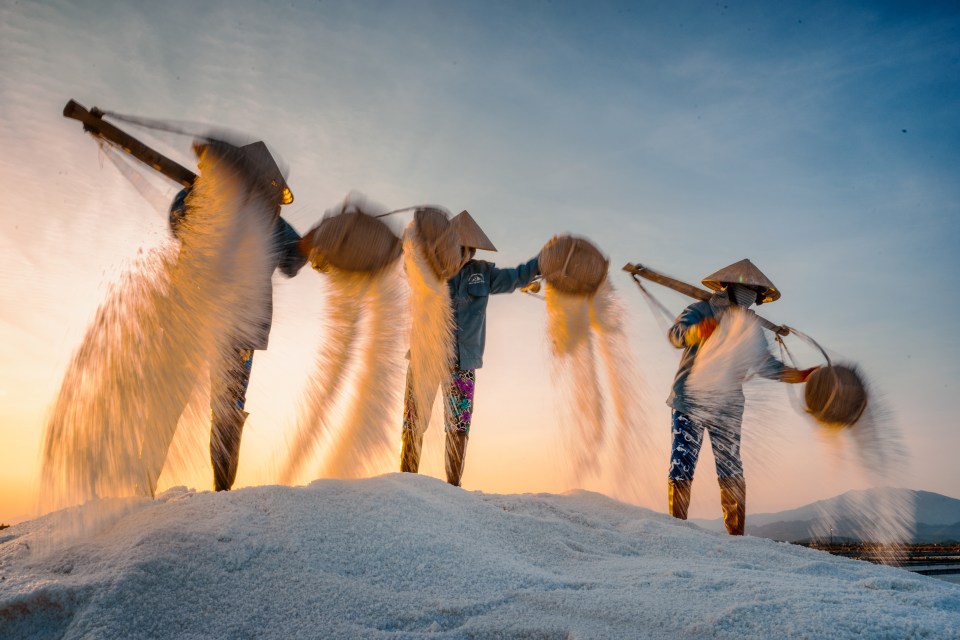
{"x": 587, "y": 335}
{"x": 151, "y": 343}
{"x": 153, "y": 340}
{"x": 431, "y": 346}
{"x": 364, "y": 327}
{"x": 736, "y": 352}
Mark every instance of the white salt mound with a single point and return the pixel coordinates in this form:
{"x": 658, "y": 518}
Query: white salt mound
{"x": 407, "y": 556}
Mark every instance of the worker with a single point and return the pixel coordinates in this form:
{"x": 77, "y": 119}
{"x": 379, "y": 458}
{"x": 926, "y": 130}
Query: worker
{"x": 737, "y": 287}
{"x": 230, "y": 375}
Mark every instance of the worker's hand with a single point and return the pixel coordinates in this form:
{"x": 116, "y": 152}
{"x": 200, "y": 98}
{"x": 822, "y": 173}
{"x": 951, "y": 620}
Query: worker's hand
{"x": 700, "y": 332}
{"x": 796, "y": 376}
{"x": 533, "y": 287}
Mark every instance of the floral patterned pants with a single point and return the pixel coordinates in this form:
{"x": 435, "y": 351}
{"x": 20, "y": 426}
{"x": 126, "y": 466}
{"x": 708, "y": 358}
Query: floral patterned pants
{"x": 458, "y": 410}
{"x": 688, "y": 438}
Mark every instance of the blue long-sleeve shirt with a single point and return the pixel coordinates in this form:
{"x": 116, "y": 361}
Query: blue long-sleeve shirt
{"x": 470, "y": 290}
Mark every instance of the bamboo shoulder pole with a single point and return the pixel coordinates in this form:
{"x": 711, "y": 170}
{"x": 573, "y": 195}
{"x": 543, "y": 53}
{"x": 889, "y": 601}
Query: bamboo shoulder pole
{"x": 94, "y": 123}
{"x": 667, "y": 281}
{"x": 691, "y": 291}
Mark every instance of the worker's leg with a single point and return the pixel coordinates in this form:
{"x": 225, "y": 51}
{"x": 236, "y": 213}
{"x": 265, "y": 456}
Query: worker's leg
{"x": 411, "y": 436}
{"x": 684, "y": 452}
{"x": 458, "y": 415}
{"x": 725, "y": 440}
{"x": 229, "y": 380}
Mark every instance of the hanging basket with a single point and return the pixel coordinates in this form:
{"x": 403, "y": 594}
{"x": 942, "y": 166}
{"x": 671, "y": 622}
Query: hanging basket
{"x": 573, "y": 265}
{"x": 351, "y": 241}
{"x": 439, "y": 240}
{"x": 835, "y": 395}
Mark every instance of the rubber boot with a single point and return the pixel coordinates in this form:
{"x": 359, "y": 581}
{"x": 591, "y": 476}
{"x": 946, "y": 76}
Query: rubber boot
{"x": 225, "y": 447}
{"x": 733, "y": 500}
{"x": 456, "y": 454}
{"x": 678, "y": 497}
{"x": 410, "y": 452}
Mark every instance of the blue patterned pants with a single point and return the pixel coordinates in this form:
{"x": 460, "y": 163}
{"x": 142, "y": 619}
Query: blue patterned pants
{"x": 458, "y": 412}
{"x": 228, "y": 384}
{"x": 688, "y": 438}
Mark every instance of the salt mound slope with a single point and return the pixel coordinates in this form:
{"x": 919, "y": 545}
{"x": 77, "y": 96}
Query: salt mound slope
{"x": 406, "y": 556}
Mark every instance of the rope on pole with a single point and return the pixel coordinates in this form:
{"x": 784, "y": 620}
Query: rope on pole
{"x": 813, "y": 342}
{"x": 664, "y": 319}
{"x": 158, "y": 124}
{"x": 412, "y": 208}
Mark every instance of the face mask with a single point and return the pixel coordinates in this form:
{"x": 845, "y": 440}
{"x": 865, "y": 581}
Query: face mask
{"x": 742, "y": 296}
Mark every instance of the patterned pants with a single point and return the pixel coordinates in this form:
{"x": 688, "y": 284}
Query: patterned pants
{"x": 228, "y": 385}
{"x": 458, "y": 410}
{"x": 228, "y": 382}
{"x": 688, "y": 438}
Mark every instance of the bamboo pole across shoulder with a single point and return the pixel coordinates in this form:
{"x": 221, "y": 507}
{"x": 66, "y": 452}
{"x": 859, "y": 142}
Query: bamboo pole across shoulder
{"x": 637, "y": 269}
{"x": 835, "y": 394}
{"x": 94, "y": 123}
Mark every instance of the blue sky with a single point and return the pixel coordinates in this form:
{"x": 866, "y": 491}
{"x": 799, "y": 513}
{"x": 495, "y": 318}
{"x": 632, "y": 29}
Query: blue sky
{"x": 818, "y": 139}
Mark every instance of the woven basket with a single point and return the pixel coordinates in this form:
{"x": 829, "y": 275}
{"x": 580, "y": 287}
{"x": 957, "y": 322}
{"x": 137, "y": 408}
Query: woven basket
{"x": 573, "y": 265}
{"x": 439, "y": 240}
{"x": 835, "y": 395}
{"x": 351, "y": 241}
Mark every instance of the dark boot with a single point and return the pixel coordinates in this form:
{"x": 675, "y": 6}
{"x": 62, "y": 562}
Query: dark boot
{"x": 225, "y": 447}
{"x": 733, "y": 499}
{"x": 678, "y": 497}
{"x": 456, "y": 455}
{"x": 410, "y": 452}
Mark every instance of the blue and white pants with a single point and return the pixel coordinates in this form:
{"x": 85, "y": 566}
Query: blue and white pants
{"x": 688, "y": 438}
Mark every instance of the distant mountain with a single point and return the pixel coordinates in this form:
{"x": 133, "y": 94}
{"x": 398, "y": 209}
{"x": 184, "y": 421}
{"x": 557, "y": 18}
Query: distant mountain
{"x": 860, "y": 516}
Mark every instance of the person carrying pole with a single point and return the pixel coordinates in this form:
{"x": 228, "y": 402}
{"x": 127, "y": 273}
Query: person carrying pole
{"x": 231, "y": 375}
{"x": 739, "y": 285}
{"x": 230, "y": 372}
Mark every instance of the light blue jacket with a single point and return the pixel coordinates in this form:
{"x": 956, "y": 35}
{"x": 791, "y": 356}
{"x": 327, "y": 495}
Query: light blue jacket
{"x": 469, "y": 291}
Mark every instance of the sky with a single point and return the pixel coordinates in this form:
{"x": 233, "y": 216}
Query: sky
{"x": 403, "y": 556}
{"x": 818, "y": 139}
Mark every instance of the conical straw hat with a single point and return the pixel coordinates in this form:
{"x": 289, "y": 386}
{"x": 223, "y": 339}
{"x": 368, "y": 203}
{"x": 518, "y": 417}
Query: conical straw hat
{"x": 745, "y": 273}
{"x": 264, "y": 163}
{"x": 254, "y": 160}
{"x": 471, "y": 235}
